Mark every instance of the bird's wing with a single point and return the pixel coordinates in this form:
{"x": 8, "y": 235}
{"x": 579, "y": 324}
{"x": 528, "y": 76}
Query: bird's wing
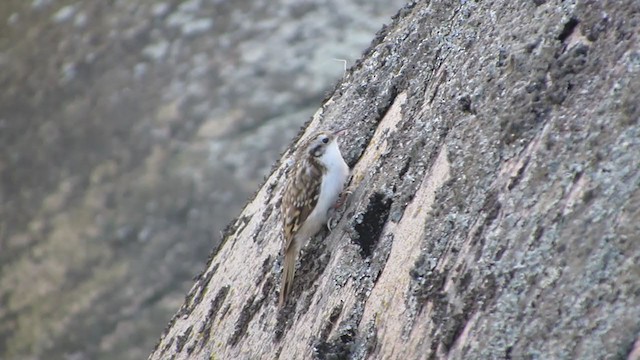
{"x": 298, "y": 204}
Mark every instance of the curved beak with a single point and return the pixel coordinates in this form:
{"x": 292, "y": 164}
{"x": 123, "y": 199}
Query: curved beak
{"x": 339, "y": 132}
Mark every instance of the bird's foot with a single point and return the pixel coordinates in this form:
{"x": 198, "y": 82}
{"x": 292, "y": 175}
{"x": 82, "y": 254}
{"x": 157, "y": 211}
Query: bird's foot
{"x": 342, "y": 200}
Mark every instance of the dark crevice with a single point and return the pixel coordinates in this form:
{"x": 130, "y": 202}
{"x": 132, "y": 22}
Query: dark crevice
{"x": 216, "y": 304}
{"x": 265, "y": 215}
{"x": 369, "y": 224}
{"x": 330, "y": 323}
{"x": 339, "y": 348}
{"x": 182, "y": 339}
{"x": 568, "y": 28}
{"x": 453, "y": 329}
{"x": 249, "y": 310}
{"x": 492, "y": 208}
{"x": 515, "y": 180}
{"x": 405, "y": 168}
{"x": 464, "y": 104}
{"x": 246, "y": 314}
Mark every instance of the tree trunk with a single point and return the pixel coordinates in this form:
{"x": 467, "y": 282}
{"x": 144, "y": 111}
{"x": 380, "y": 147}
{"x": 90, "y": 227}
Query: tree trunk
{"x": 495, "y": 205}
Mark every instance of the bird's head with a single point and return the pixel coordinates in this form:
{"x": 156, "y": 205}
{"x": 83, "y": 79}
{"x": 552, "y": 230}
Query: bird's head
{"x": 318, "y": 144}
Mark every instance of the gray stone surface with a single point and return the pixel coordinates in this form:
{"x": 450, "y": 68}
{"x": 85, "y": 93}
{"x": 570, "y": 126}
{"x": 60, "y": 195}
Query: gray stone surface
{"x": 131, "y": 132}
{"x": 495, "y": 202}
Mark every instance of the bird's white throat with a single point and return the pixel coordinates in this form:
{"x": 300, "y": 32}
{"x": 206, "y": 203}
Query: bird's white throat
{"x": 332, "y": 158}
{"x": 337, "y": 172}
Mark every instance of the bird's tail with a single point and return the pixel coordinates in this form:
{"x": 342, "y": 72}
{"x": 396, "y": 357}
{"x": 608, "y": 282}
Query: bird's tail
{"x": 288, "y": 271}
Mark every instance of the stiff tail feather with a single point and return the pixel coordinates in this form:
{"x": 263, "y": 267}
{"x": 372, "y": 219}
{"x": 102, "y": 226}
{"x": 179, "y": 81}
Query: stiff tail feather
{"x": 288, "y": 271}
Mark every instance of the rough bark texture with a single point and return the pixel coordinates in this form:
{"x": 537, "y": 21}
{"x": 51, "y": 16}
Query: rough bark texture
{"x": 495, "y": 210}
{"x": 131, "y": 133}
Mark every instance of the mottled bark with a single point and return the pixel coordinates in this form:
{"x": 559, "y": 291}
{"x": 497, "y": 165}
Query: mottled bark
{"x": 131, "y": 133}
{"x": 495, "y": 204}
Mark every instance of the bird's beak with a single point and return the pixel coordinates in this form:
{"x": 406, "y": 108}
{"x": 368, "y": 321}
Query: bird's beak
{"x": 339, "y": 132}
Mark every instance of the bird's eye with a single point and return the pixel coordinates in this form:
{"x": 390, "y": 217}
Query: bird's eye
{"x": 325, "y": 140}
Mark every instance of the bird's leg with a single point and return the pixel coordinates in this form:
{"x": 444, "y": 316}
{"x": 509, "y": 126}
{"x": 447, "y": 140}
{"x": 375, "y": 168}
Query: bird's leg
{"x": 342, "y": 199}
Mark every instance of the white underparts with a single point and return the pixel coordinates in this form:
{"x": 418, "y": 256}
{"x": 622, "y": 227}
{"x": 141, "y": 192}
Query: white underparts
{"x": 337, "y": 172}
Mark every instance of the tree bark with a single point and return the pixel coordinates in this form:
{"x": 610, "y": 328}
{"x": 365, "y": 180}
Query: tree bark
{"x": 494, "y": 208}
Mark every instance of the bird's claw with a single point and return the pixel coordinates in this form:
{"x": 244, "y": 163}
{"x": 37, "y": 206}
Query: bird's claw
{"x": 339, "y": 203}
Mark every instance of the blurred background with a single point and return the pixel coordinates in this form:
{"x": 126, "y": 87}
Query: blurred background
{"x": 131, "y": 133}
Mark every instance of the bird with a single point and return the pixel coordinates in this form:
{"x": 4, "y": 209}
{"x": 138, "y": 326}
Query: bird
{"x": 312, "y": 187}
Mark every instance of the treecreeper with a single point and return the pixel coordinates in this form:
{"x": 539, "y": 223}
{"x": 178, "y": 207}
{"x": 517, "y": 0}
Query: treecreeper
{"x": 312, "y": 187}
